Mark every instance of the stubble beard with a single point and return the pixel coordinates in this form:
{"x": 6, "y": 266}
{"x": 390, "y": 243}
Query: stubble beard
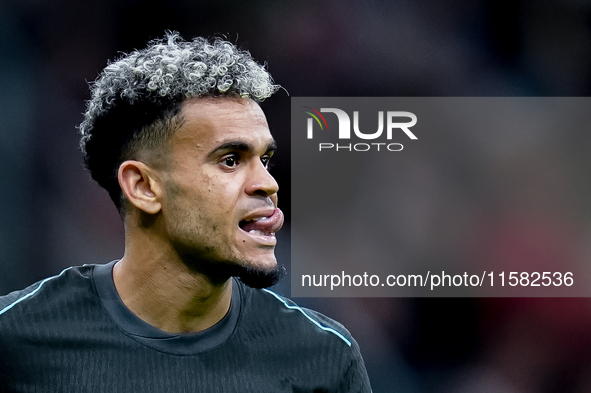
{"x": 260, "y": 278}
{"x": 220, "y": 270}
{"x": 206, "y": 260}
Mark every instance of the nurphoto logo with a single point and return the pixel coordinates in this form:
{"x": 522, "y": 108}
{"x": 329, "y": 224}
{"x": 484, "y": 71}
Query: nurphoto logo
{"x": 395, "y": 121}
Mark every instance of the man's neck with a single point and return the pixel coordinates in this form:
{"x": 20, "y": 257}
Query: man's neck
{"x": 162, "y": 291}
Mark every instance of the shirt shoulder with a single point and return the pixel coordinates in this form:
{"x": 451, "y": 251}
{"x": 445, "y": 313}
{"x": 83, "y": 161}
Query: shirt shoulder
{"x": 306, "y": 336}
{"x": 46, "y": 298}
{"x": 314, "y": 321}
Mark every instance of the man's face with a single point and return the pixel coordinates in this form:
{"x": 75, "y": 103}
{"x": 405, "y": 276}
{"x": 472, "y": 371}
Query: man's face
{"x": 220, "y": 204}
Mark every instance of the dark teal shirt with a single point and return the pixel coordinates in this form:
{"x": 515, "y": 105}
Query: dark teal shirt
{"x": 72, "y": 333}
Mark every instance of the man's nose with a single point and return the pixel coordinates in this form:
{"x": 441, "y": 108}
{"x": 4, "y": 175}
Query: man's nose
{"x": 261, "y": 182}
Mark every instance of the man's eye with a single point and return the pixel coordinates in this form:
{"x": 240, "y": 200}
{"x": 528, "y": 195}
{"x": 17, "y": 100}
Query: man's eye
{"x": 230, "y": 161}
{"x": 266, "y": 160}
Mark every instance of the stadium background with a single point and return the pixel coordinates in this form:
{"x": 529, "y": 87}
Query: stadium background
{"x": 53, "y": 216}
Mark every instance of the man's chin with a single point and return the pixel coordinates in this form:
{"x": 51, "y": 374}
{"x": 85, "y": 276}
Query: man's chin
{"x": 260, "y": 278}
{"x": 256, "y": 276}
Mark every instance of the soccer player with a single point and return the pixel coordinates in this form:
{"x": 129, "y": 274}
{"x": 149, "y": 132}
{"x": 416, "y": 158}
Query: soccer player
{"x": 174, "y": 133}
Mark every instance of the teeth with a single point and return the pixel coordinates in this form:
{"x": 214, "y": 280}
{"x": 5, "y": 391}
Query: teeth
{"x": 256, "y": 232}
{"x": 260, "y": 218}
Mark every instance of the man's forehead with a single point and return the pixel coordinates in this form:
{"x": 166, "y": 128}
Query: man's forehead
{"x": 215, "y": 121}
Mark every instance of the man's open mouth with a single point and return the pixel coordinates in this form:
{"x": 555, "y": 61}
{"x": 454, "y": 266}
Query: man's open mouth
{"x": 265, "y": 223}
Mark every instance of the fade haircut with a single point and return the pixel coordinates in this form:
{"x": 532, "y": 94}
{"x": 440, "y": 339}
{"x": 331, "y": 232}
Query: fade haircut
{"x": 136, "y": 100}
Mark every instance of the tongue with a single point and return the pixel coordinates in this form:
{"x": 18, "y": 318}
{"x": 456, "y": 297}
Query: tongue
{"x": 266, "y": 225}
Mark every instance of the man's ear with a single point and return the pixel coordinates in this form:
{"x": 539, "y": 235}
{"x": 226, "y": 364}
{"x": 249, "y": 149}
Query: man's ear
{"x": 138, "y": 182}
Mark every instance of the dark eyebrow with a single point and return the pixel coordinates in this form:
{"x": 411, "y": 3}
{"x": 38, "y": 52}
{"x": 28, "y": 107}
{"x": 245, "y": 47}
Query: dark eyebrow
{"x": 240, "y": 146}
